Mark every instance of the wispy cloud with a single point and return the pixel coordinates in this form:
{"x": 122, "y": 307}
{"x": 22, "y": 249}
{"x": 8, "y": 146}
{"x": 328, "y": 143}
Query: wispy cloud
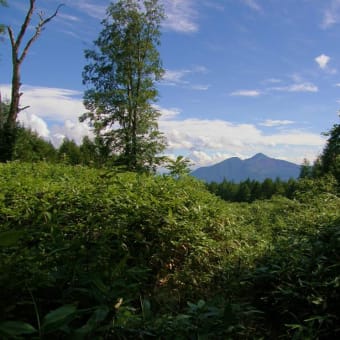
{"x": 68, "y": 18}
{"x": 272, "y": 81}
{"x": 168, "y": 113}
{"x": 300, "y": 87}
{"x": 253, "y": 4}
{"x": 275, "y": 123}
{"x": 246, "y": 93}
{"x": 331, "y": 14}
{"x": 179, "y": 78}
{"x": 200, "y": 87}
{"x": 181, "y": 16}
{"x": 91, "y": 8}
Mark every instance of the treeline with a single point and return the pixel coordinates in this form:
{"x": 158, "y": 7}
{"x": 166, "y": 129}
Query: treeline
{"x": 251, "y": 190}
{"x": 328, "y": 163}
{"x": 29, "y": 147}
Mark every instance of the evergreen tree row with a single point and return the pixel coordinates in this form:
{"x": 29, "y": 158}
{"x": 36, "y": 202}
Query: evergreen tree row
{"x": 29, "y": 147}
{"x": 251, "y": 190}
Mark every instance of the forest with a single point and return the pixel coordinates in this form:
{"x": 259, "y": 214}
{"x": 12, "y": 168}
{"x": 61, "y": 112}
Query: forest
{"x": 95, "y": 243}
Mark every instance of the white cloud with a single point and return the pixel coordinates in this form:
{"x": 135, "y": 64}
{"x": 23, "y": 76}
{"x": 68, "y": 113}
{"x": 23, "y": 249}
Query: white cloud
{"x": 168, "y": 114}
{"x": 304, "y": 87}
{"x": 272, "y": 81}
{"x": 91, "y": 8}
{"x": 253, "y": 5}
{"x": 35, "y": 123}
{"x": 181, "y": 16}
{"x": 246, "y": 93}
{"x": 61, "y": 107}
{"x": 55, "y": 104}
{"x": 54, "y": 115}
{"x": 329, "y": 19}
{"x": 67, "y": 17}
{"x": 211, "y": 141}
{"x": 71, "y": 130}
{"x": 177, "y": 78}
{"x": 200, "y": 87}
{"x": 322, "y": 60}
{"x": 301, "y": 87}
{"x": 273, "y": 123}
{"x": 202, "y": 158}
{"x": 331, "y": 14}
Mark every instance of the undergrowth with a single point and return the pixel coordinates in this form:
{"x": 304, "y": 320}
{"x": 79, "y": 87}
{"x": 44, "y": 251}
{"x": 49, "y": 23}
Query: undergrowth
{"x": 97, "y": 254}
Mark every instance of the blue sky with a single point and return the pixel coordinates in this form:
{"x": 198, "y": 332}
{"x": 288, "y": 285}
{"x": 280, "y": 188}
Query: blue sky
{"x": 242, "y": 76}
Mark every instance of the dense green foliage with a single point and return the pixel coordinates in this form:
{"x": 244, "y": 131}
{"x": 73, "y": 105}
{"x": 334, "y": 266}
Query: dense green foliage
{"x": 121, "y": 74}
{"x": 89, "y": 253}
{"x": 329, "y": 161}
{"x": 29, "y": 147}
{"x": 330, "y": 158}
{"x": 251, "y": 190}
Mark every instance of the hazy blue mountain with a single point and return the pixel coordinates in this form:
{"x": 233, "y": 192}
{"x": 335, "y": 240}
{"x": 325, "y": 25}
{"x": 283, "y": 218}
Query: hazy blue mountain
{"x": 258, "y": 167}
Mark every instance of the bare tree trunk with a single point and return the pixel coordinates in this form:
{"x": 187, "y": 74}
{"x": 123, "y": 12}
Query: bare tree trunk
{"x": 1, "y": 113}
{"x": 15, "y": 95}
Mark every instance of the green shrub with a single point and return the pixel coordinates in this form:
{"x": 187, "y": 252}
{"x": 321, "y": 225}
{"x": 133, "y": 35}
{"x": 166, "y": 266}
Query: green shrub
{"x": 88, "y": 253}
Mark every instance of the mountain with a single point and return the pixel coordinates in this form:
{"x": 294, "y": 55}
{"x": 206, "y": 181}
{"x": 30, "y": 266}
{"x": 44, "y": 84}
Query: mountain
{"x": 258, "y": 167}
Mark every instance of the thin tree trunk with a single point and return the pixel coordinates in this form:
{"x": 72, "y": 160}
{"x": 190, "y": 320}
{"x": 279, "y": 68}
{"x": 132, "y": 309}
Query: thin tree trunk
{"x": 8, "y": 131}
{"x": 15, "y": 95}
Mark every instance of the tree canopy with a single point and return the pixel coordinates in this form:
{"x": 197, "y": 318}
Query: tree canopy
{"x": 330, "y": 158}
{"x": 121, "y": 74}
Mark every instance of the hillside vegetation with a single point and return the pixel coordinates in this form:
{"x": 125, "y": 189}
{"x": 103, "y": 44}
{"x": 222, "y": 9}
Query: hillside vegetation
{"x": 95, "y": 254}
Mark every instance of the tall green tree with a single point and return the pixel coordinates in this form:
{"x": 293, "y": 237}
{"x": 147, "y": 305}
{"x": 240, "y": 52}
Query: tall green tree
{"x": 69, "y": 152}
{"x": 121, "y": 74}
{"x": 306, "y": 170}
{"x": 330, "y": 158}
{"x": 95, "y": 153}
{"x": 178, "y": 167}
{"x": 29, "y": 147}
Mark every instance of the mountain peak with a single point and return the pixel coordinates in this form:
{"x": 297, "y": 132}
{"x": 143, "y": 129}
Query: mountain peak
{"x": 259, "y": 156}
{"x": 259, "y": 167}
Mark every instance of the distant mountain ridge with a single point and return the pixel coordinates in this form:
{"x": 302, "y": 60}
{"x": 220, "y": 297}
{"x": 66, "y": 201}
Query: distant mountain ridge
{"x": 258, "y": 167}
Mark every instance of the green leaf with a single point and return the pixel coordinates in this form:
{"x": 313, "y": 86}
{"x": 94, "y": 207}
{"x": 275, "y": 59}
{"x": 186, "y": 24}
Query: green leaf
{"x": 58, "y": 318}
{"x": 98, "y": 316}
{"x": 14, "y": 328}
{"x": 10, "y": 238}
{"x": 146, "y": 308}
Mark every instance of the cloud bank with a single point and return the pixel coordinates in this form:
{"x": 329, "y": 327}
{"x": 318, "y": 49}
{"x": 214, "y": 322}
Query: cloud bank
{"x": 54, "y": 113}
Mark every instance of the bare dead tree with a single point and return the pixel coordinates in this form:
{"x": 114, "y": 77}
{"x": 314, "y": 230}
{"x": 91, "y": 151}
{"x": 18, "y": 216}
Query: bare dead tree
{"x": 17, "y": 60}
